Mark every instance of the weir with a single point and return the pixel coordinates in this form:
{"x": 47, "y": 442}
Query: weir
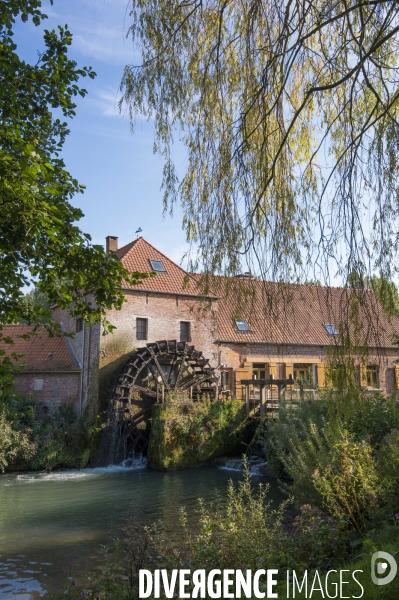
{"x": 256, "y": 465}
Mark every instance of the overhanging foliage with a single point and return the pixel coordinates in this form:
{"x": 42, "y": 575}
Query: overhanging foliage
{"x": 39, "y": 239}
{"x": 288, "y": 111}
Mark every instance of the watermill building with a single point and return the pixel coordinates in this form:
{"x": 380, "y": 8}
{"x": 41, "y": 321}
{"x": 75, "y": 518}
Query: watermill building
{"x": 237, "y": 329}
{"x": 237, "y": 325}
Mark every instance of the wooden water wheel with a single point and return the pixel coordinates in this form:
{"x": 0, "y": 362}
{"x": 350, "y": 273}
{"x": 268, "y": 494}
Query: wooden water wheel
{"x": 159, "y": 369}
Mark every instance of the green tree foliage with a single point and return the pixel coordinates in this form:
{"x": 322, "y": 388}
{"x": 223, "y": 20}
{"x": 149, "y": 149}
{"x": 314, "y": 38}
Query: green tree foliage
{"x": 288, "y": 110}
{"x": 39, "y": 240}
{"x": 35, "y": 298}
{"x": 387, "y": 293}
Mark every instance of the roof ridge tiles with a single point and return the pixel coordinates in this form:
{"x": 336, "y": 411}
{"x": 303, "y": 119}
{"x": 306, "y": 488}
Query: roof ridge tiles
{"x": 125, "y": 247}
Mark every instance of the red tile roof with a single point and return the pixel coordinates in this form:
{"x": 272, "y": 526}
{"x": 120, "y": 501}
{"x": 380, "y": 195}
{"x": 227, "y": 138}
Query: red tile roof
{"x": 296, "y": 314}
{"x": 136, "y": 256}
{"x": 41, "y": 352}
{"x": 275, "y": 313}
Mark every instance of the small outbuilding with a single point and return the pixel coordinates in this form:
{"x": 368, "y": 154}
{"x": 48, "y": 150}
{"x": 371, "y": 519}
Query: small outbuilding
{"x": 51, "y": 373}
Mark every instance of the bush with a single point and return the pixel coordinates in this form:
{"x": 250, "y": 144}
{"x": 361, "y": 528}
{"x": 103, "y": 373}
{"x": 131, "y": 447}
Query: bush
{"x": 117, "y": 580}
{"x": 316, "y": 540}
{"x": 346, "y": 467}
{"x": 276, "y": 436}
{"x": 388, "y": 470}
{"x": 365, "y": 417}
{"x": 332, "y": 471}
{"x": 186, "y": 433}
{"x": 244, "y": 532}
{"x": 386, "y": 537}
{"x": 14, "y": 445}
{"x": 31, "y": 439}
{"x": 374, "y": 416}
{"x": 348, "y": 483}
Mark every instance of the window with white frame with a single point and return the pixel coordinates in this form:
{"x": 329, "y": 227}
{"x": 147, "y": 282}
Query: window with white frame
{"x": 242, "y": 325}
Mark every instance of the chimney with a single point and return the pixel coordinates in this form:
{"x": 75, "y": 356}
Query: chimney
{"x": 111, "y": 244}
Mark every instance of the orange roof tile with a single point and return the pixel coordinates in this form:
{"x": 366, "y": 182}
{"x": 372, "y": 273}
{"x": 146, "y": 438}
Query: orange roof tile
{"x": 136, "y": 256}
{"x": 41, "y": 352}
{"x": 296, "y": 314}
{"x": 276, "y": 313}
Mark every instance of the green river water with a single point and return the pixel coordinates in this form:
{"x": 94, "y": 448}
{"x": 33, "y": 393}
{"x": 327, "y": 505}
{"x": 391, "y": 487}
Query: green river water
{"x": 48, "y": 519}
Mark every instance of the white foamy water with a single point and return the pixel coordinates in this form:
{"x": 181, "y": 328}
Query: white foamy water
{"x": 67, "y": 475}
{"x": 237, "y": 465}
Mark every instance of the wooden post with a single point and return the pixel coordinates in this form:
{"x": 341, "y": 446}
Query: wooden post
{"x": 279, "y": 388}
{"x": 262, "y": 401}
{"x": 163, "y": 392}
{"x": 247, "y": 398}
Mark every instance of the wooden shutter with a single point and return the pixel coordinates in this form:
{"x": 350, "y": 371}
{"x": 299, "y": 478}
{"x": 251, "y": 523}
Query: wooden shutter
{"x": 363, "y": 375}
{"x": 397, "y": 377}
{"x": 315, "y": 375}
{"x": 289, "y": 369}
{"x": 281, "y": 369}
{"x": 242, "y": 373}
{"x": 321, "y": 376}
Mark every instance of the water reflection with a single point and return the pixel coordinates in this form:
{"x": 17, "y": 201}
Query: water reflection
{"x": 47, "y": 519}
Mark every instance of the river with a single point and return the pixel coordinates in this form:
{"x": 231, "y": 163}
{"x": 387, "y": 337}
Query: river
{"x": 48, "y": 519}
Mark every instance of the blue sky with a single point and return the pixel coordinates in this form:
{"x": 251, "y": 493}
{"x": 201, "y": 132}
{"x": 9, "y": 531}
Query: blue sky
{"x": 122, "y": 175}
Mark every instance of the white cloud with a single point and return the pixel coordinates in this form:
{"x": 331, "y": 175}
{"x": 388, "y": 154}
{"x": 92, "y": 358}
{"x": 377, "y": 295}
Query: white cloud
{"x": 103, "y": 44}
{"x": 105, "y": 101}
{"x": 99, "y": 28}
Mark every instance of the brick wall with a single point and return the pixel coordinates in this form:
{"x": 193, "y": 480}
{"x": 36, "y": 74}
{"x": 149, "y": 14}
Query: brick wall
{"x": 50, "y": 388}
{"x": 104, "y": 356}
{"x": 241, "y": 356}
{"x": 163, "y": 313}
{"x": 84, "y": 346}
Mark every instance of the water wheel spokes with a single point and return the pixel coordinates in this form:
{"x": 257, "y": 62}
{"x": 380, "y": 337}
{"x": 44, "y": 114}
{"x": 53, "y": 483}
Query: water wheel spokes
{"x": 160, "y": 368}
{"x": 170, "y": 366}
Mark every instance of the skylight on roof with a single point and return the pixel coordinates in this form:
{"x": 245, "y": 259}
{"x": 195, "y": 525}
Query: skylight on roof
{"x": 242, "y": 325}
{"x": 331, "y": 329}
{"x": 157, "y": 266}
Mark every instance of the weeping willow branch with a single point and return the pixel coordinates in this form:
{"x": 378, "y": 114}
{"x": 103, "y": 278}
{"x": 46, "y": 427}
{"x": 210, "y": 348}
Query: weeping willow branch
{"x": 288, "y": 111}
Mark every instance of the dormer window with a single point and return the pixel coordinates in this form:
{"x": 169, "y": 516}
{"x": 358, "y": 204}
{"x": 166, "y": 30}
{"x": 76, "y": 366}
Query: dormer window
{"x": 331, "y": 329}
{"x": 242, "y": 325}
{"x": 157, "y": 266}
